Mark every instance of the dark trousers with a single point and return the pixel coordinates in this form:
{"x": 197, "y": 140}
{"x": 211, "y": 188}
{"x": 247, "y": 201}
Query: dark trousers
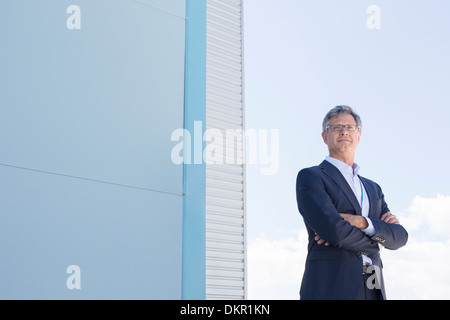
{"x": 365, "y": 293}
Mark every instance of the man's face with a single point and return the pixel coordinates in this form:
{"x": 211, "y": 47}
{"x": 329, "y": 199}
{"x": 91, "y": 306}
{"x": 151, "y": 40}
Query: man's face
{"x": 344, "y": 141}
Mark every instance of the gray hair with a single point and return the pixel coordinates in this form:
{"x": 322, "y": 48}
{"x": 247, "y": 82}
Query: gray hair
{"x": 338, "y": 111}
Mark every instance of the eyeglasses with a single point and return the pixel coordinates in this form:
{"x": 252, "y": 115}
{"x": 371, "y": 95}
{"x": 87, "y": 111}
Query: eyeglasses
{"x": 339, "y": 127}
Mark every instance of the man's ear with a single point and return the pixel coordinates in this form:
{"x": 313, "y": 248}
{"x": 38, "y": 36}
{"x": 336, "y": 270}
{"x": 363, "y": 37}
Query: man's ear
{"x": 324, "y": 137}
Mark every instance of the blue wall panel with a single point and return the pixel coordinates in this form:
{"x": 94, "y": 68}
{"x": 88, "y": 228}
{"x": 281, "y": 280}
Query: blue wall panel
{"x": 126, "y": 242}
{"x": 194, "y": 206}
{"x": 86, "y": 176}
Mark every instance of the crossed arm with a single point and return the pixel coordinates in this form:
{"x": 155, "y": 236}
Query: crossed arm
{"x": 359, "y": 222}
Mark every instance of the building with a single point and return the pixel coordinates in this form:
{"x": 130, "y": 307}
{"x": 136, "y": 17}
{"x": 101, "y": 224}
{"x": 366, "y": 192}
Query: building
{"x": 94, "y": 200}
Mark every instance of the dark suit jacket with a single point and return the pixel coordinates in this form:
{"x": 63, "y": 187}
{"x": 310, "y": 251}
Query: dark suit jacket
{"x": 335, "y": 271}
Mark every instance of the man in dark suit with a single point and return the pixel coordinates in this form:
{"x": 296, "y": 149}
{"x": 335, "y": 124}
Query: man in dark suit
{"x": 346, "y": 217}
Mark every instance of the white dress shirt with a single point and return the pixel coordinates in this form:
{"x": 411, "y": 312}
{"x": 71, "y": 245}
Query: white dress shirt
{"x": 351, "y": 176}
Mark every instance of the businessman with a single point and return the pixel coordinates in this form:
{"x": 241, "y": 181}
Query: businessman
{"x": 346, "y": 217}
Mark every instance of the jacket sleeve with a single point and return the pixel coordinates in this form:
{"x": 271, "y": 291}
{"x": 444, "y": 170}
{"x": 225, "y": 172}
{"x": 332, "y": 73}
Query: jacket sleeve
{"x": 319, "y": 213}
{"x": 391, "y": 236}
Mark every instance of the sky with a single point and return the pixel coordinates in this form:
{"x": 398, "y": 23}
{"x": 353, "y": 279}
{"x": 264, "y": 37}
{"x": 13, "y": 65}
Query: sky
{"x": 389, "y": 61}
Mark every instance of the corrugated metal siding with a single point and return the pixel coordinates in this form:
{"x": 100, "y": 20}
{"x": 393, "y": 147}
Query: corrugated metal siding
{"x": 225, "y": 183}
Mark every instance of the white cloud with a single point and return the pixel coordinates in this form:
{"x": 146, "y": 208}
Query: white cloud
{"x": 275, "y": 267}
{"x": 416, "y": 271}
{"x": 429, "y": 217}
{"x": 419, "y": 270}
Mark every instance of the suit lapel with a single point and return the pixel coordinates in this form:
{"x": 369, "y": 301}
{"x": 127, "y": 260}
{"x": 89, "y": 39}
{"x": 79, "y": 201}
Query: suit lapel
{"x": 334, "y": 173}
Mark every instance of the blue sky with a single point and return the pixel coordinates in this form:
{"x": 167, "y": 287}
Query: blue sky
{"x": 304, "y": 57}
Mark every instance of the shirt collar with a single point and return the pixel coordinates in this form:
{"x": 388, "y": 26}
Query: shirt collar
{"x": 343, "y": 167}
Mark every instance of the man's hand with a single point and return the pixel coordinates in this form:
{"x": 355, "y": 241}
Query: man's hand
{"x": 320, "y": 241}
{"x": 357, "y": 221}
{"x": 389, "y": 218}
